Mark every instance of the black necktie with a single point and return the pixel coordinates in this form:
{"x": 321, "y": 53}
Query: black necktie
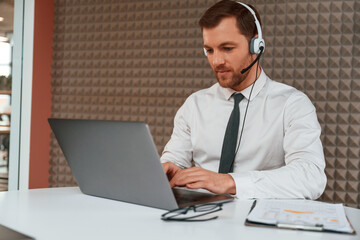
{"x": 230, "y": 139}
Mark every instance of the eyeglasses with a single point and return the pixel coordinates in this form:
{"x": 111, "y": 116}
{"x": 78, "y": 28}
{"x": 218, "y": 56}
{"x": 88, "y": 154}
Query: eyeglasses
{"x": 195, "y": 213}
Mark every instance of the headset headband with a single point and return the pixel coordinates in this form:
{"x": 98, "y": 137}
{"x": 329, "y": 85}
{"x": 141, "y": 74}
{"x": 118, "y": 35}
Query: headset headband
{"x": 258, "y": 27}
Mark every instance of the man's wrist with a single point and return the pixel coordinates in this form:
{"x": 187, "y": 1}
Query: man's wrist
{"x": 230, "y": 183}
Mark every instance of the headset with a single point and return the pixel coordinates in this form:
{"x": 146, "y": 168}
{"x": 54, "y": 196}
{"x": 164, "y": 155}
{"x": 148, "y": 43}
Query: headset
{"x": 257, "y": 44}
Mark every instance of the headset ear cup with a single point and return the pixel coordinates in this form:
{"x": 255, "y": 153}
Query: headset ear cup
{"x": 253, "y": 46}
{"x": 205, "y": 52}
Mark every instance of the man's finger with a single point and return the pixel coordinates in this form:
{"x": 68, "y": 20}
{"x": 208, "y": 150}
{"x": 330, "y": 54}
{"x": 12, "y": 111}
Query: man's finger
{"x": 170, "y": 169}
{"x": 181, "y": 178}
{"x": 196, "y": 185}
{"x": 193, "y": 170}
{"x": 165, "y": 167}
{"x": 189, "y": 178}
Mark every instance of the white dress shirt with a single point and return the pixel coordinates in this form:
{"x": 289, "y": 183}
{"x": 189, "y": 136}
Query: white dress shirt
{"x": 280, "y": 153}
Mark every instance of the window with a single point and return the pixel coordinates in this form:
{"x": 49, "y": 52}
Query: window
{"x": 5, "y": 59}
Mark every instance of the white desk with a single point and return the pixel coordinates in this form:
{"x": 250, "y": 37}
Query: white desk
{"x": 66, "y": 213}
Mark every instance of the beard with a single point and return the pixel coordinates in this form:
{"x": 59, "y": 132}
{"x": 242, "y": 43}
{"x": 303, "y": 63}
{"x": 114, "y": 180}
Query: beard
{"x": 233, "y": 78}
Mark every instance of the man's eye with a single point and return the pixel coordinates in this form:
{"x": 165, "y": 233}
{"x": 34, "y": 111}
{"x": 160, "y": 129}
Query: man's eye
{"x": 209, "y": 50}
{"x": 228, "y": 48}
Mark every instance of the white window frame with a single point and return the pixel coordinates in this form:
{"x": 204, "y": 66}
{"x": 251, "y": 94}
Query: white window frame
{"x": 22, "y": 73}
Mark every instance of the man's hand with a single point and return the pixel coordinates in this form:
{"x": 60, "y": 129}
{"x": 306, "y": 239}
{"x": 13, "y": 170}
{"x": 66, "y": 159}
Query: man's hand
{"x": 196, "y": 177}
{"x": 170, "y": 169}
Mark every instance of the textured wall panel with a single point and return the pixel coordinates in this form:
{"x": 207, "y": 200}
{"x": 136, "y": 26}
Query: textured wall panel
{"x": 139, "y": 60}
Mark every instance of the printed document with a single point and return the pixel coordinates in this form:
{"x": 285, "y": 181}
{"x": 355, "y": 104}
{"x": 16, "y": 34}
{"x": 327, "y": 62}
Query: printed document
{"x": 325, "y": 216}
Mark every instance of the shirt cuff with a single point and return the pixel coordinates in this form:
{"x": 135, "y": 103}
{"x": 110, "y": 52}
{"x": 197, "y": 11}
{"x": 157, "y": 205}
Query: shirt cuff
{"x": 244, "y": 184}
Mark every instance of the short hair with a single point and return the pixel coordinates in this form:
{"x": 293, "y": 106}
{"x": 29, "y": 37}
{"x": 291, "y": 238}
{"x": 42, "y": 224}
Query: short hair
{"x": 227, "y": 8}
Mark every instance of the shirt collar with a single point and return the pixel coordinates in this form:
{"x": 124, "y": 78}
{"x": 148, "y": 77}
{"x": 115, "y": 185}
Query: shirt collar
{"x": 259, "y": 84}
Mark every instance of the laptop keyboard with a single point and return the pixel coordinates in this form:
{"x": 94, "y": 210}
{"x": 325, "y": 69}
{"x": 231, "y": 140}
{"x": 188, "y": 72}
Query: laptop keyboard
{"x": 185, "y": 196}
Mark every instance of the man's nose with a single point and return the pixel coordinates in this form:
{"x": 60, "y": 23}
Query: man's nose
{"x": 218, "y": 59}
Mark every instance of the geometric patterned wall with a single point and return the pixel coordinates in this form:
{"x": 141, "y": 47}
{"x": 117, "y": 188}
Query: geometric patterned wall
{"x": 139, "y": 60}
{"x": 314, "y": 47}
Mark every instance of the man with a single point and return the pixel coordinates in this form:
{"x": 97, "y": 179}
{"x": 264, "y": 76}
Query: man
{"x": 278, "y": 150}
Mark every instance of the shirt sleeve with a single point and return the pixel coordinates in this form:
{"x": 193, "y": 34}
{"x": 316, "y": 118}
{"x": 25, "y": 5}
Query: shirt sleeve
{"x": 303, "y": 174}
{"x": 179, "y": 148}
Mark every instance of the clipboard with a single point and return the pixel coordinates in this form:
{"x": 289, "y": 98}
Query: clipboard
{"x": 285, "y": 225}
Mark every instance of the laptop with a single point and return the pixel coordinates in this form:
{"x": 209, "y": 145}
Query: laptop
{"x": 118, "y": 160}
